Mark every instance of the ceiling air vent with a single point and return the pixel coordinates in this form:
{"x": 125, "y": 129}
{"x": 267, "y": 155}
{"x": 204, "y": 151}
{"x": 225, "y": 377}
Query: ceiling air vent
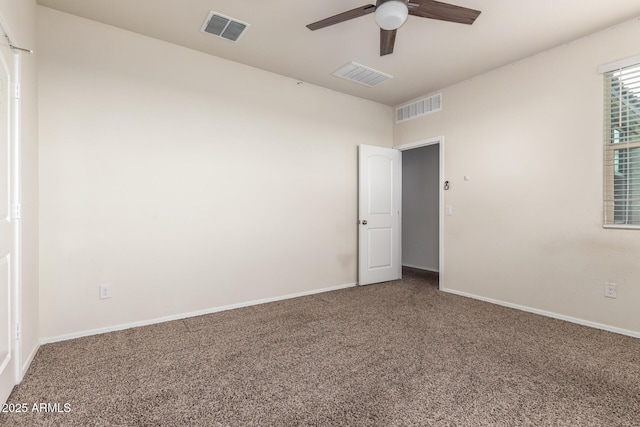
{"x": 360, "y": 74}
{"x": 421, "y": 107}
{"x": 223, "y": 26}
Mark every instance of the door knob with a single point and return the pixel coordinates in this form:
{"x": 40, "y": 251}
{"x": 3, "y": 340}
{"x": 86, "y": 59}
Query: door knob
{"x": 364, "y": 222}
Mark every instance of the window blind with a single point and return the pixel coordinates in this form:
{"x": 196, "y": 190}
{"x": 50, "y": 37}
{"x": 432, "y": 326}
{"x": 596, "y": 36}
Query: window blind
{"x": 622, "y": 146}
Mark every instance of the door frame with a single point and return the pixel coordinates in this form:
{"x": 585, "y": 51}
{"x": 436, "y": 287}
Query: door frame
{"x": 16, "y": 132}
{"x": 441, "y": 211}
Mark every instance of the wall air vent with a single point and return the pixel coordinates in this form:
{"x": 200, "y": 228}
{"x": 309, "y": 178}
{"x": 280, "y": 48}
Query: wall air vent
{"x": 360, "y": 74}
{"x": 421, "y": 107}
{"x": 223, "y": 26}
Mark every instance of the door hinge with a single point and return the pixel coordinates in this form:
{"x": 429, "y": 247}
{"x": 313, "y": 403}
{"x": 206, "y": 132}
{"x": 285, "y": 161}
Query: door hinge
{"x": 17, "y": 331}
{"x": 17, "y": 211}
{"x": 16, "y": 91}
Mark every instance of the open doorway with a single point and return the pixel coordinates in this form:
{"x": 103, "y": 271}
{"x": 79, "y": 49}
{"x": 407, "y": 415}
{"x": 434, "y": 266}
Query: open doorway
{"x": 380, "y": 212}
{"x": 422, "y": 207}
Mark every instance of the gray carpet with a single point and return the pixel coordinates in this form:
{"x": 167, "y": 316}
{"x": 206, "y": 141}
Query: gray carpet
{"x": 393, "y": 354}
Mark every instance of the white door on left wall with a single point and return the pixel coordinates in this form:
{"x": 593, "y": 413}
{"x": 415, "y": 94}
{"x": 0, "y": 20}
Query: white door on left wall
{"x": 7, "y": 373}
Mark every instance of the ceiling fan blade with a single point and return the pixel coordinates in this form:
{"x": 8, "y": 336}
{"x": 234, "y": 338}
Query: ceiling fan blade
{"x": 442, "y": 11}
{"x": 387, "y": 41}
{"x": 341, "y": 17}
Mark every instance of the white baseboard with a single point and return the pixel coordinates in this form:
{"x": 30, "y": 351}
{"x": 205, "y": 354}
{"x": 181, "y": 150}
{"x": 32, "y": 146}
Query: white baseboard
{"x": 434, "y": 270}
{"x": 547, "y": 314}
{"x": 120, "y": 327}
{"x": 27, "y": 363}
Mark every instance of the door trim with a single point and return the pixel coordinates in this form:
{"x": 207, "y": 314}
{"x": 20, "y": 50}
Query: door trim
{"x": 16, "y": 125}
{"x": 423, "y": 143}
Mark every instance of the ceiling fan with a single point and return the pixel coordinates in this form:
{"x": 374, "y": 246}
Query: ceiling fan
{"x": 391, "y": 14}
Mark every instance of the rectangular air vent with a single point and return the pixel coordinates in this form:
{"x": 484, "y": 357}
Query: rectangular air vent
{"x": 360, "y": 74}
{"x": 421, "y": 107}
{"x": 223, "y": 26}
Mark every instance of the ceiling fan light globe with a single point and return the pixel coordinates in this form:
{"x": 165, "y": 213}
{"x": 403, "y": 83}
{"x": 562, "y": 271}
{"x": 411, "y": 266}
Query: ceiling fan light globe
{"x": 391, "y": 15}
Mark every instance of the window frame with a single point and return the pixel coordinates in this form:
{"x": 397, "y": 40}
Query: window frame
{"x": 610, "y": 148}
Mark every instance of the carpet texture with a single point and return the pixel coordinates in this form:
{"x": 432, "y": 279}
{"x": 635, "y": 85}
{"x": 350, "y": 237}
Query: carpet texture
{"x": 394, "y": 354}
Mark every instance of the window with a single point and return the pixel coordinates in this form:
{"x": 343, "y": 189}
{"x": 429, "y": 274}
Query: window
{"x": 622, "y": 144}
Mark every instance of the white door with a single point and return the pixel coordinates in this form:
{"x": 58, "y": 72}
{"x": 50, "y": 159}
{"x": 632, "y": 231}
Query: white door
{"x": 6, "y": 230}
{"x": 379, "y": 190}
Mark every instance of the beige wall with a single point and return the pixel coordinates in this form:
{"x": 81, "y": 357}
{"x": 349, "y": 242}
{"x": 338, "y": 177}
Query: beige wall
{"x": 527, "y": 228}
{"x": 186, "y": 181}
{"x": 21, "y": 19}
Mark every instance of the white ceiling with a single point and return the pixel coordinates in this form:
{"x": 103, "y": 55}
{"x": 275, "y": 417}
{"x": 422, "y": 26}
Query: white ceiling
{"x": 429, "y": 55}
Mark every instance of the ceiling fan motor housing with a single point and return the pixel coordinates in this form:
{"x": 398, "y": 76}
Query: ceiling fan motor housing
{"x": 391, "y": 14}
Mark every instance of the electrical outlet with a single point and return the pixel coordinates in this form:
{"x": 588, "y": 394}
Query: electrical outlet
{"x": 105, "y": 291}
{"x": 610, "y": 290}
